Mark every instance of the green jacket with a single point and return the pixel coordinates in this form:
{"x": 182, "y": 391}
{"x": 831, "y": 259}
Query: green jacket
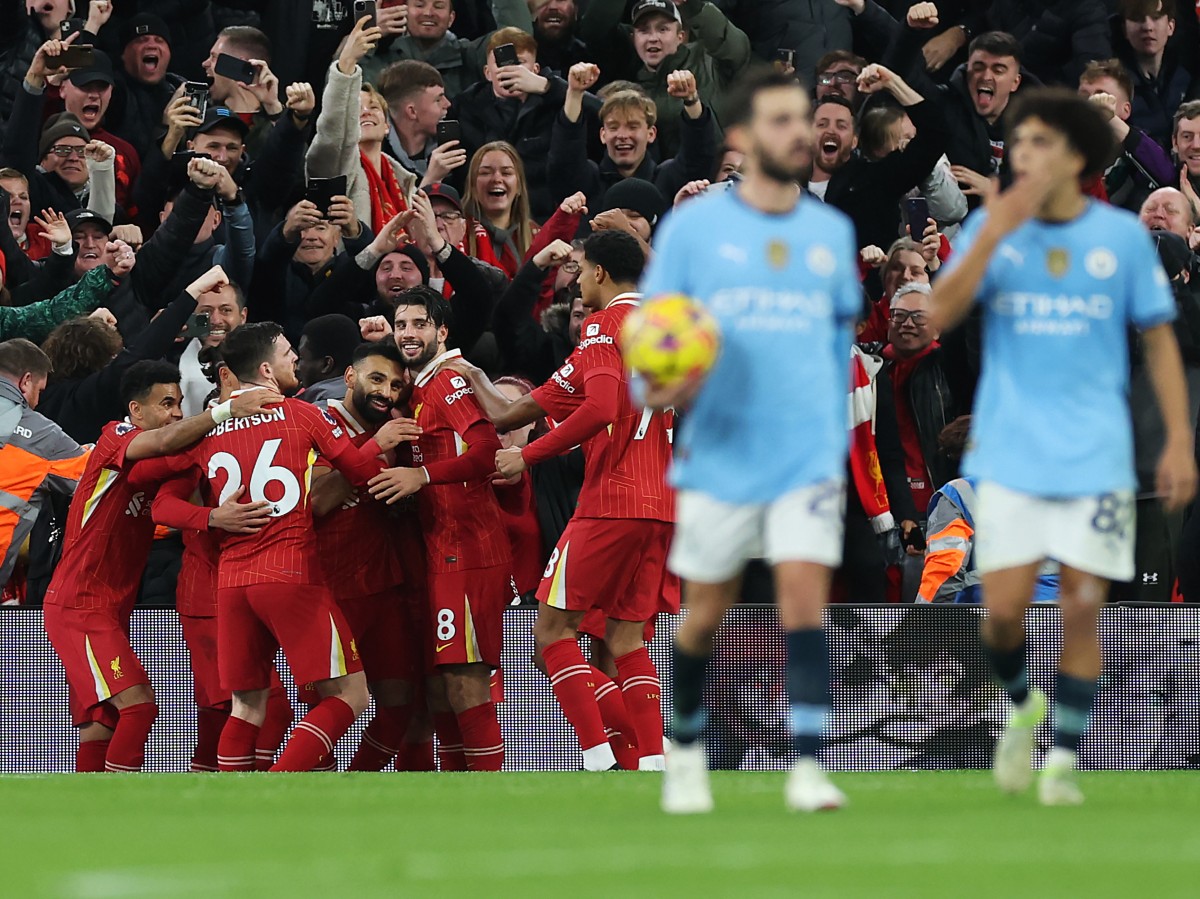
{"x": 716, "y": 53}
{"x": 36, "y": 321}
{"x": 459, "y": 60}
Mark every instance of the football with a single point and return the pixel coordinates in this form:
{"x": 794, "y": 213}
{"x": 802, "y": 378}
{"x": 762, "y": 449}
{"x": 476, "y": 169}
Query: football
{"x": 669, "y": 339}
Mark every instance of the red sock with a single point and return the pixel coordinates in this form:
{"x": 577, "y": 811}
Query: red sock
{"x": 382, "y": 739}
{"x": 209, "y": 724}
{"x": 315, "y": 736}
{"x": 450, "y": 742}
{"x": 416, "y": 756}
{"x": 89, "y": 757}
{"x": 575, "y": 689}
{"x": 616, "y": 721}
{"x": 483, "y": 744}
{"x": 127, "y": 748}
{"x": 235, "y": 751}
{"x": 643, "y": 698}
{"x": 274, "y": 728}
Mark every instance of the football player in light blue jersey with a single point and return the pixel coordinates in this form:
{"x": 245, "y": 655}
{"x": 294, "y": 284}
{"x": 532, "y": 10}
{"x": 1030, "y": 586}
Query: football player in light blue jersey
{"x": 1060, "y": 278}
{"x": 762, "y": 451}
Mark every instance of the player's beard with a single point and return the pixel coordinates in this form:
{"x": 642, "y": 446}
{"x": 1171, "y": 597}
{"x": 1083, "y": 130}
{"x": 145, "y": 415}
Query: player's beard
{"x": 362, "y": 405}
{"x": 419, "y": 362}
{"x": 780, "y": 170}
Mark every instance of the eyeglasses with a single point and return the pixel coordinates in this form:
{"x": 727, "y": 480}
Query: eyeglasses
{"x": 63, "y": 151}
{"x": 918, "y": 318}
{"x": 449, "y": 216}
{"x": 571, "y": 267}
{"x": 837, "y": 78}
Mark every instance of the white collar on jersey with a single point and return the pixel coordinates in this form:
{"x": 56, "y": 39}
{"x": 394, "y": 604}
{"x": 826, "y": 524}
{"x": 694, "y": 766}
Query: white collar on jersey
{"x": 625, "y": 299}
{"x": 247, "y": 389}
{"x": 347, "y": 418}
{"x": 431, "y": 369}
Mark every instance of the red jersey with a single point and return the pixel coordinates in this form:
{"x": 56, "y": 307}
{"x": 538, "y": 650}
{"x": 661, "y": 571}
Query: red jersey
{"x": 196, "y": 586}
{"x": 109, "y": 528}
{"x": 356, "y": 543}
{"x": 625, "y": 469}
{"x": 272, "y": 456}
{"x": 461, "y": 518}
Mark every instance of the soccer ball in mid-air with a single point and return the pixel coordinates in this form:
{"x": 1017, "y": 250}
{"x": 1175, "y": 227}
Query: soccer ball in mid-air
{"x": 670, "y": 338}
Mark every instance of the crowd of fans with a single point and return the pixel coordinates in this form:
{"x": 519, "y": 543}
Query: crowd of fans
{"x": 327, "y": 163}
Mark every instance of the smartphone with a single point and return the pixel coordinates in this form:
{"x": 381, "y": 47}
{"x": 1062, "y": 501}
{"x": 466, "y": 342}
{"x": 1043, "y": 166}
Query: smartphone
{"x": 506, "y": 55}
{"x": 76, "y": 56}
{"x": 321, "y": 191}
{"x": 197, "y": 327}
{"x": 197, "y": 94}
{"x": 236, "y": 69}
{"x": 187, "y": 156}
{"x": 69, "y": 27}
{"x": 365, "y": 8}
{"x": 916, "y": 216}
{"x": 914, "y": 540}
{"x": 786, "y": 56}
{"x": 448, "y": 130}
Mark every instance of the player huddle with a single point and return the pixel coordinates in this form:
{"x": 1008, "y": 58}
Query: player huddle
{"x": 363, "y": 536}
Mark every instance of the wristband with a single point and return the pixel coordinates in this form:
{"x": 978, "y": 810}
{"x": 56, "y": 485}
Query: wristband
{"x": 222, "y": 412}
{"x": 444, "y": 253}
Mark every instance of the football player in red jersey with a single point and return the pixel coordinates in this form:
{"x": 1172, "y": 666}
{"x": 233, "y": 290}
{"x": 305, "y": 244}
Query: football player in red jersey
{"x": 361, "y": 558}
{"x": 270, "y": 594}
{"x": 469, "y": 558}
{"x": 108, "y": 537}
{"x": 612, "y": 554}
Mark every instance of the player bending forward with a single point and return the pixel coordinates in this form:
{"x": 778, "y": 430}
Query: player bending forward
{"x": 762, "y": 449}
{"x": 1060, "y": 278}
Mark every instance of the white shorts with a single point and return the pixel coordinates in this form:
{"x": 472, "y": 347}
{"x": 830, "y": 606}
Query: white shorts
{"x": 714, "y": 540}
{"x": 1093, "y": 534}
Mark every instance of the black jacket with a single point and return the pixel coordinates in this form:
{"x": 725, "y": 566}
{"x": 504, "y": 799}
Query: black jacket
{"x": 570, "y": 170}
{"x": 1154, "y": 99}
{"x": 870, "y": 191}
{"x": 1058, "y": 38}
{"x": 19, "y": 150}
{"x": 932, "y": 402}
{"x": 528, "y": 348}
{"x": 136, "y": 110}
{"x": 29, "y": 281}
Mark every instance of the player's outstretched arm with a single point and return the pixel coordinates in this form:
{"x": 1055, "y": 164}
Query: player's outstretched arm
{"x": 504, "y": 413}
{"x": 1176, "y": 475}
{"x": 182, "y": 434}
{"x": 330, "y": 490}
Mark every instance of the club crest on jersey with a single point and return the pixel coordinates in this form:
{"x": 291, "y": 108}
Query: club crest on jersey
{"x": 777, "y": 254}
{"x": 593, "y": 330}
{"x": 115, "y": 667}
{"x": 821, "y": 261}
{"x": 123, "y": 428}
{"x": 1058, "y": 261}
{"x": 1100, "y": 263}
{"x": 333, "y": 422}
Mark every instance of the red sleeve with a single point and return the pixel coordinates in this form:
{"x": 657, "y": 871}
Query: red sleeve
{"x": 478, "y": 461}
{"x": 173, "y": 507}
{"x": 598, "y": 410}
{"x": 146, "y": 472}
{"x": 114, "y": 441}
{"x": 358, "y": 464}
{"x": 560, "y": 226}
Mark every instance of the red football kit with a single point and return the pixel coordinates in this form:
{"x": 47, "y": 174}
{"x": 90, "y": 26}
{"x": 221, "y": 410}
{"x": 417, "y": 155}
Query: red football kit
{"x": 470, "y": 580}
{"x": 621, "y": 528}
{"x": 360, "y": 562}
{"x": 270, "y": 591}
{"x": 108, "y": 537}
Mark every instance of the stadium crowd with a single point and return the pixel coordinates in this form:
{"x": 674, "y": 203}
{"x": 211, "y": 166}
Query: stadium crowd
{"x": 173, "y": 173}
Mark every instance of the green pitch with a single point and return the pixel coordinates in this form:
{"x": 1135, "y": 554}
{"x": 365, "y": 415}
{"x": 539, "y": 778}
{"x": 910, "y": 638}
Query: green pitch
{"x": 574, "y": 835}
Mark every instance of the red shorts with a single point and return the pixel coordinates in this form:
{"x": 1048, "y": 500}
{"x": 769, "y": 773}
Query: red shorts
{"x": 384, "y": 635}
{"x": 200, "y": 635}
{"x": 93, "y": 645}
{"x": 256, "y": 621}
{"x": 615, "y": 565}
{"x": 467, "y": 612}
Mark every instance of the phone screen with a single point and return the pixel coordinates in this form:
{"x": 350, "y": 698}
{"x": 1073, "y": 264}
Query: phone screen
{"x": 506, "y": 55}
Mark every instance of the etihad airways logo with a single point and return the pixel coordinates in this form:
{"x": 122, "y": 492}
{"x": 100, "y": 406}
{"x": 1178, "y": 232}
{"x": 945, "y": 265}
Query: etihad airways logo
{"x": 1054, "y": 314}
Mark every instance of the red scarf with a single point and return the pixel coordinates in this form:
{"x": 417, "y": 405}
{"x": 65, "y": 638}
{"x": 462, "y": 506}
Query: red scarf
{"x": 864, "y": 457}
{"x": 387, "y": 199}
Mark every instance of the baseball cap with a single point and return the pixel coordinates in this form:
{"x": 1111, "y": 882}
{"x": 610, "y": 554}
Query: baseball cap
{"x": 100, "y": 70}
{"x": 56, "y": 128}
{"x": 1173, "y": 252}
{"x": 77, "y": 217}
{"x": 662, "y": 7}
{"x": 142, "y": 24}
{"x": 441, "y": 190}
{"x": 222, "y": 117}
{"x": 637, "y": 194}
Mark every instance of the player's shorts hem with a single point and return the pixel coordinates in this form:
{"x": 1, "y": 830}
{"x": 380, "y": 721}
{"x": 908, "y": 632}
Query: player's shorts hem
{"x": 714, "y": 539}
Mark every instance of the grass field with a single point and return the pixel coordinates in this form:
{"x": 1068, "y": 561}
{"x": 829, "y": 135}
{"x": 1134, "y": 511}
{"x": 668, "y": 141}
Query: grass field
{"x": 577, "y": 835}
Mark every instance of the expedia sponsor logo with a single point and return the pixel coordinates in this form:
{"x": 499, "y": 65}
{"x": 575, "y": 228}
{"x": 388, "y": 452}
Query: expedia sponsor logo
{"x": 452, "y": 398}
{"x": 593, "y": 330}
{"x": 594, "y": 341}
{"x": 560, "y": 378}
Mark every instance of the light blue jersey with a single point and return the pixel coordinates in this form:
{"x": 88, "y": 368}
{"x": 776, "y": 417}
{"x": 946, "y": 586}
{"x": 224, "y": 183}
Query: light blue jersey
{"x": 1052, "y": 415}
{"x": 772, "y": 414}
